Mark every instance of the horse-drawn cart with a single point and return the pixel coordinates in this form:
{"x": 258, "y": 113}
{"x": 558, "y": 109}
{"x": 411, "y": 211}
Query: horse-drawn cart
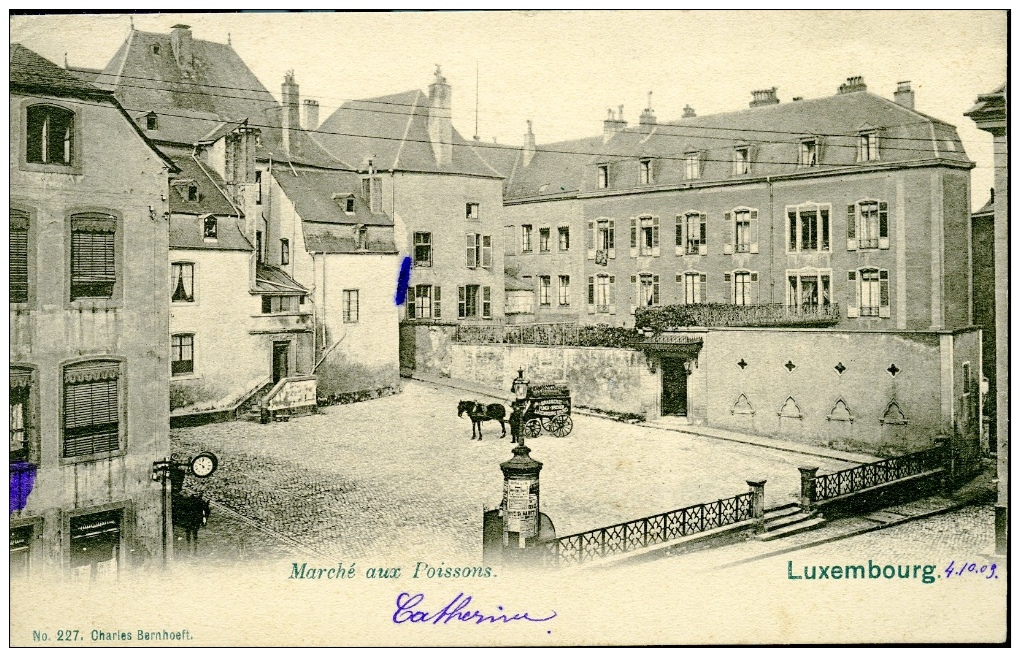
{"x": 547, "y": 407}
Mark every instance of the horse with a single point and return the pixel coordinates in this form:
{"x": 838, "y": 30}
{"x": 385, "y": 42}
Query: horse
{"x": 479, "y": 412}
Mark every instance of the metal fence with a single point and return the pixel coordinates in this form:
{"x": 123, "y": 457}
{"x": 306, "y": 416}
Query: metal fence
{"x": 877, "y": 473}
{"x": 628, "y": 536}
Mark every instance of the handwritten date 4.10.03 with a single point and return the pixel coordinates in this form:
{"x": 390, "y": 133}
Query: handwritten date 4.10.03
{"x": 988, "y": 570}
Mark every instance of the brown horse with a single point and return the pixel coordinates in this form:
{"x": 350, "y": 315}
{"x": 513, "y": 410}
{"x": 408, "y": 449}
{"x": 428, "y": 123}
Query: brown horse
{"x": 479, "y": 412}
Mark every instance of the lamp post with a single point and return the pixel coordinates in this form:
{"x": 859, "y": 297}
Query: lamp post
{"x": 173, "y": 471}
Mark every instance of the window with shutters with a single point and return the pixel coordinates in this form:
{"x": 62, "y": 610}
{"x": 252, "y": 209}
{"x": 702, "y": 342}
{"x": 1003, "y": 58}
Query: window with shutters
{"x": 182, "y": 282}
{"x": 602, "y": 240}
{"x": 867, "y": 225}
{"x": 479, "y": 250}
{"x": 350, "y": 306}
{"x": 93, "y": 256}
{"x": 606, "y": 239}
{"x": 741, "y": 160}
{"x": 741, "y": 227}
{"x": 95, "y": 545}
{"x": 544, "y": 288}
{"x": 692, "y": 166}
{"x": 696, "y": 225}
{"x": 603, "y": 176}
{"x": 808, "y": 153}
{"x": 807, "y": 228}
{"x": 182, "y": 354}
{"x": 467, "y": 301}
{"x": 272, "y": 304}
{"x": 564, "y": 238}
{"x": 809, "y": 290}
{"x": 602, "y": 294}
{"x": 645, "y": 172}
{"x": 868, "y": 293}
{"x": 23, "y": 427}
{"x": 19, "y": 257}
{"x": 543, "y": 239}
{"x": 745, "y": 288}
{"x": 471, "y": 210}
{"x": 525, "y": 239}
{"x": 694, "y": 286}
{"x": 423, "y": 249}
{"x": 50, "y": 136}
{"x": 424, "y": 302}
{"x": 564, "y": 290}
{"x": 647, "y": 289}
{"x": 644, "y": 235}
{"x": 92, "y": 409}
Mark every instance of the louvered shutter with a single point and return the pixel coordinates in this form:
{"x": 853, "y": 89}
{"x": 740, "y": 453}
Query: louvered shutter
{"x": 436, "y": 312}
{"x": 591, "y": 239}
{"x": 852, "y": 298}
{"x": 753, "y": 235}
{"x": 679, "y": 235}
{"x": 612, "y": 294}
{"x": 883, "y": 226}
{"x": 755, "y": 292}
{"x": 728, "y": 285}
{"x": 703, "y": 244}
{"x": 703, "y": 288}
{"x": 851, "y": 227}
{"x": 637, "y": 293}
{"x": 486, "y": 302}
{"x": 461, "y": 302}
{"x": 19, "y": 257}
{"x": 612, "y": 238}
{"x": 471, "y": 250}
{"x": 591, "y": 294}
{"x": 655, "y": 236}
{"x": 883, "y": 286}
{"x": 486, "y": 251}
{"x": 655, "y": 290}
{"x": 410, "y": 302}
{"x": 728, "y": 240}
{"x": 633, "y": 236}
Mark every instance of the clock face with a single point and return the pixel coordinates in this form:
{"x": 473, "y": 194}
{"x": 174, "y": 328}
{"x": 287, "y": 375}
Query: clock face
{"x": 203, "y": 465}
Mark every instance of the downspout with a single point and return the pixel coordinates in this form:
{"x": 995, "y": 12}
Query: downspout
{"x": 772, "y": 242}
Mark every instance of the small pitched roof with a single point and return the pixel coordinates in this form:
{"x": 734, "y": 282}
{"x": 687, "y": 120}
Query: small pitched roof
{"x": 271, "y": 279}
{"x": 186, "y": 233}
{"x": 211, "y": 197}
{"x": 320, "y": 196}
{"x": 393, "y": 131}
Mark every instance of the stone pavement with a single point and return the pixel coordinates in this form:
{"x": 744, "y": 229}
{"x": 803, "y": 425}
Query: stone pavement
{"x": 400, "y": 477}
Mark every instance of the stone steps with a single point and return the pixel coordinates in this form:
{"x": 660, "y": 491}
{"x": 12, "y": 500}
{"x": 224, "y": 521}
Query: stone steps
{"x": 788, "y": 520}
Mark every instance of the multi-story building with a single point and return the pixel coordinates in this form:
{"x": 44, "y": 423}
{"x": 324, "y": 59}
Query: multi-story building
{"x": 852, "y": 206}
{"x": 445, "y": 200}
{"x": 255, "y": 211}
{"x": 88, "y": 326}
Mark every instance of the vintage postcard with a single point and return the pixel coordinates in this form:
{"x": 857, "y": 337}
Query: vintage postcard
{"x": 493, "y": 328}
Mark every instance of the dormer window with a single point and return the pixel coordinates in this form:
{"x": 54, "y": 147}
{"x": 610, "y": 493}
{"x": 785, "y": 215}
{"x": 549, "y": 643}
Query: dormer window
{"x": 808, "y": 153}
{"x": 192, "y": 193}
{"x": 741, "y": 160}
{"x": 363, "y": 237}
{"x": 209, "y": 228}
{"x": 867, "y": 150}
{"x": 155, "y": 49}
{"x": 349, "y": 205}
{"x": 692, "y": 165}
{"x": 645, "y": 172}
{"x": 603, "y": 176}
{"x": 151, "y": 122}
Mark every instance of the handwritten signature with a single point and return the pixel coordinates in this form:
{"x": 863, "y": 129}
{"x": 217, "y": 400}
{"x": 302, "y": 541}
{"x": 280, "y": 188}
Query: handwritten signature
{"x": 455, "y": 610}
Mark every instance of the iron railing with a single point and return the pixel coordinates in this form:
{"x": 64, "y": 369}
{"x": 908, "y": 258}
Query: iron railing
{"x": 877, "y": 473}
{"x": 752, "y": 315}
{"x": 663, "y": 527}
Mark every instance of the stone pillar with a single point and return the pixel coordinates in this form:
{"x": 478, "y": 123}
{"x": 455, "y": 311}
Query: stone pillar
{"x": 758, "y": 503}
{"x": 807, "y": 487}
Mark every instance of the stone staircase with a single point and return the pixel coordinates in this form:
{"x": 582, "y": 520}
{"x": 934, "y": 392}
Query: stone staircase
{"x": 249, "y": 409}
{"x": 787, "y": 520}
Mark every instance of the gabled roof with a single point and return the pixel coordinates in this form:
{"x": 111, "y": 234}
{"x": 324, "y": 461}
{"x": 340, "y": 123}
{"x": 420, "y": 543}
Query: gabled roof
{"x": 773, "y": 133}
{"x": 220, "y": 88}
{"x": 320, "y": 196}
{"x": 186, "y": 234}
{"x": 335, "y": 238}
{"x": 270, "y": 279}
{"x": 211, "y": 198}
{"x": 393, "y": 130}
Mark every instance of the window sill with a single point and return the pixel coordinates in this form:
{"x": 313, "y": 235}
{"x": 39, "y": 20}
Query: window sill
{"x": 67, "y": 461}
{"x": 112, "y": 303}
{"x": 183, "y": 377}
{"x": 41, "y": 167}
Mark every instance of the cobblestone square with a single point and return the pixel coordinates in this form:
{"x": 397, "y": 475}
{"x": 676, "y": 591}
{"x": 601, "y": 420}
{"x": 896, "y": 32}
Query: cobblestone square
{"x": 401, "y": 477}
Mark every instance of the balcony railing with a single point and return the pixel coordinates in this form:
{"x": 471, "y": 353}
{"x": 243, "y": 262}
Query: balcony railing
{"x": 660, "y": 318}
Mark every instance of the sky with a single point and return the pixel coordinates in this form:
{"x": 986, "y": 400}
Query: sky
{"x": 564, "y": 69}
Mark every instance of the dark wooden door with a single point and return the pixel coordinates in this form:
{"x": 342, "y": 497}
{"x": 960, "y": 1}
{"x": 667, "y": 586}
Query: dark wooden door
{"x": 674, "y": 387}
{"x": 281, "y": 360}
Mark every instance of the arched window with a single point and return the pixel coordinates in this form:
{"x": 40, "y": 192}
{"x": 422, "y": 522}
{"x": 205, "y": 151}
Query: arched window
{"x": 50, "y": 136}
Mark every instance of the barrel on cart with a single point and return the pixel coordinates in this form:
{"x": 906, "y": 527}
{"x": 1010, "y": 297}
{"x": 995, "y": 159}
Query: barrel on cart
{"x": 547, "y": 408}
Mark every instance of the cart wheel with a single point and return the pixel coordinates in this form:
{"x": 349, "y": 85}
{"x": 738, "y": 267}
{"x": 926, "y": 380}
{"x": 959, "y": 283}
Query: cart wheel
{"x": 533, "y": 428}
{"x": 561, "y": 425}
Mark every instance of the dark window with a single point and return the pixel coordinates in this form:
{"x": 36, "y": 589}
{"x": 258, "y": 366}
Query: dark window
{"x": 209, "y": 227}
{"x": 182, "y": 354}
{"x": 543, "y": 239}
{"x": 350, "y": 306}
{"x": 564, "y": 239}
{"x": 278, "y": 304}
{"x": 467, "y": 302}
{"x": 192, "y": 193}
{"x": 349, "y": 207}
{"x": 284, "y": 252}
{"x": 91, "y": 409}
{"x": 93, "y": 260}
{"x": 182, "y": 282}
{"x": 258, "y": 181}
{"x": 50, "y": 137}
{"x": 363, "y": 237}
{"x": 258, "y": 247}
{"x": 21, "y": 549}
{"x": 423, "y": 249}
{"x": 20, "y": 413}
{"x": 95, "y": 545}
{"x": 472, "y": 210}
{"x": 19, "y": 257}
{"x": 151, "y": 122}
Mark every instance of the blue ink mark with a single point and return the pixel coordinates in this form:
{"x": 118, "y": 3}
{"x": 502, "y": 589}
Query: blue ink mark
{"x": 454, "y": 611}
{"x": 403, "y": 279}
{"x": 22, "y": 481}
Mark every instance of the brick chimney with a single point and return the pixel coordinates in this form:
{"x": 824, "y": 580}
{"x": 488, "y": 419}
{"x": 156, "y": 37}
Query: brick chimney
{"x": 904, "y": 96}
{"x": 440, "y": 126}
{"x": 763, "y": 97}
{"x": 310, "y": 118}
{"x": 647, "y": 119}
{"x": 290, "y": 119}
{"x": 688, "y": 112}
{"x": 180, "y": 40}
{"x": 239, "y": 160}
{"x": 613, "y": 124}
{"x": 853, "y": 84}
{"x": 528, "y": 151}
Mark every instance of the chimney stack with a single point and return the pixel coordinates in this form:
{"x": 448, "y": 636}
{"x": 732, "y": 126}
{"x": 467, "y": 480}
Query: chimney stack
{"x": 763, "y": 97}
{"x": 904, "y": 96}
{"x": 311, "y": 114}
{"x": 440, "y": 124}
{"x": 688, "y": 112}
{"x": 853, "y": 84}
{"x": 180, "y": 40}
{"x": 528, "y": 151}
{"x": 613, "y": 124}
{"x": 647, "y": 119}
{"x": 291, "y": 120}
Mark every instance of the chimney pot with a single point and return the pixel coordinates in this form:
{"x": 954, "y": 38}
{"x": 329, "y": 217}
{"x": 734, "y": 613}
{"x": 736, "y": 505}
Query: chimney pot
{"x": 291, "y": 119}
{"x": 528, "y": 152}
{"x": 853, "y": 84}
{"x": 689, "y": 112}
{"x": 311, "y": 114}
{"x": 904, "y": 96}
{"x": 764, "y": 97}
{"x": 614, "y": 123}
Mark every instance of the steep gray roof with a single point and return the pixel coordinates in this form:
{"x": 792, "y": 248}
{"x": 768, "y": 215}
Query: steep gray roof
{"x": 320, "y": 196}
